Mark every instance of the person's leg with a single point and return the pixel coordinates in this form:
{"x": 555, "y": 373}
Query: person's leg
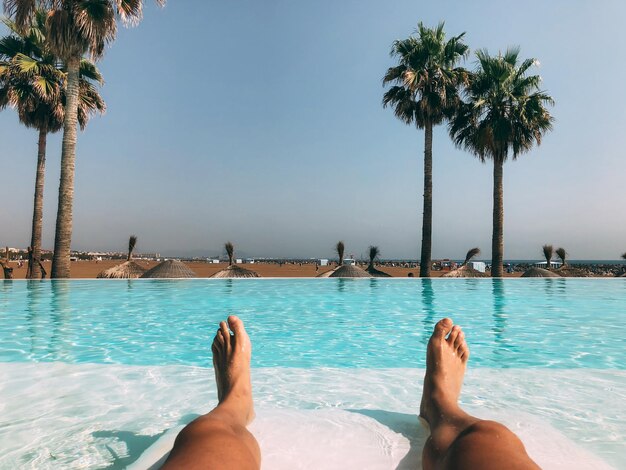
{"x": 219, "y": 439}
{"x": 458, "y": 440}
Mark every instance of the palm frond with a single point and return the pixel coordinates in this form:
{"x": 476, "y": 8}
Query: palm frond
{"x": 340, "y": 249}
{"x": 548, "y": 251}
{"x": 132, "y": 241}
{"x": 506, "y": 113}
{"x": 34, "y": 79}
{"x": 20, "y": 10}
{"x": 470, "y": 254}
{"x": 562, "y": 254}
{"x": 373, "y": 252}
{"x": 89, "y": 71}
{"x": 426, "y": 82}
{"x": 230, "y": 251}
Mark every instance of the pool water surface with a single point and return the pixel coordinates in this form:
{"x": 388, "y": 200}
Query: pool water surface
{"x": 96, "y": 370}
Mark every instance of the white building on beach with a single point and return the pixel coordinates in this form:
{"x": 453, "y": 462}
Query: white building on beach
{"x": 543, "y": 264}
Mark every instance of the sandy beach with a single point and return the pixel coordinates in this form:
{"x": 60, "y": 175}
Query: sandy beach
{"x": 90, "y": 269}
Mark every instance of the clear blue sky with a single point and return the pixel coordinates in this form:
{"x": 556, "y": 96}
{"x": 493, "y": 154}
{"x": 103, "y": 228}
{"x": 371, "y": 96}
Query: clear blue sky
{"x": 261, "y": 123}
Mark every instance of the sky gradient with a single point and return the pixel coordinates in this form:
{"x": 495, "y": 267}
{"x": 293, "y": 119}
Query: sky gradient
{"x": 261, "y": 123}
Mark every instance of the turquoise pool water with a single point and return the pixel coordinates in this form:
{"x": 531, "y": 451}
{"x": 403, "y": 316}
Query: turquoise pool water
{"x": 373, "y": 323}
{"x": 94, "y": 372}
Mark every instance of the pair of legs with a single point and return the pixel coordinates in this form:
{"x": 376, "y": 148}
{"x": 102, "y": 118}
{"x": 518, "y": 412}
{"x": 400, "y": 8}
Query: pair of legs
{"x": 220, "y": 440}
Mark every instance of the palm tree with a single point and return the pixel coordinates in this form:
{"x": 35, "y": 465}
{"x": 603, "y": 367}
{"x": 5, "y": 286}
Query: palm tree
{"x": 31, "y": 80}
{"x": 562, "y": 254}
{"x": 74, "y": 27}
{"x": 548, "y": 251}
{"x": 374, "y": 252}
{"x": 425, "y": 93}
{"x": 505, "y": 116}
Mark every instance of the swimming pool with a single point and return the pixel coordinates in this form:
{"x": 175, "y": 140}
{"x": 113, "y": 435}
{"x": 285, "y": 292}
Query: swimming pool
{"x": 96, "y": 370}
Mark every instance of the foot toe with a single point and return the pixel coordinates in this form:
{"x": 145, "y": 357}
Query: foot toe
{"x": 464, "y": 352}
{"x": 236, "y": 325}
{"x": 454, "y": 334}
{"x": 219, "y": 339}
{"x": 443, "y": 327}
{"x": 459, "y": 340}
{"x": 225, "y": 332}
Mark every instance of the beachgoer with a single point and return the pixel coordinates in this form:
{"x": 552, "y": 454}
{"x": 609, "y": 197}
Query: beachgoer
{"x": 220, "y": 440}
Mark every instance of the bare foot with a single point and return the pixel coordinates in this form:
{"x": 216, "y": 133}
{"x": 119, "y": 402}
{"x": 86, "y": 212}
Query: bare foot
{"x": 446, "y": 360}
{"x": 231, "y": 361}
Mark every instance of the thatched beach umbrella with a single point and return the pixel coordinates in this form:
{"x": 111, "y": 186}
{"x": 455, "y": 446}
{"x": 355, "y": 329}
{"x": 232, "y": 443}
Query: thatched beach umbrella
{"x": 374, "y": 252}
{"x": 126, "y": 270}
{"x": 568, "y": 271}
{"x": 350, "y": 271}
{"x": 465, "y": 270}
{"x": 233, "y": 271}
{"x": 623, "y": 257}
{"x": 347, "y": 271}
{"x": 539, "y": 272}
{"x": 548, "y": 250}
{"x": 170, "y": 269}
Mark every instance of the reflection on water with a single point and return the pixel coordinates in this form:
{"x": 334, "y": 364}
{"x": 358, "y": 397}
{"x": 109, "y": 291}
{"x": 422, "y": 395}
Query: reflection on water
{"x": 228, "y": 286}
{"x": 34, "y": 309}
{"x": 499, "y": 315}
{"x": 312, "y": 323}
{"x": 60, "y": 310}
{"x": 428, "y": 307}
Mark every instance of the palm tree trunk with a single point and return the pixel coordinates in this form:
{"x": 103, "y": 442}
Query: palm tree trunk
{"x": 427, "y": 218}
{"x": 34, "y": 271}
{"x": 63, "y": 233}
{"x": 497, "y": 239}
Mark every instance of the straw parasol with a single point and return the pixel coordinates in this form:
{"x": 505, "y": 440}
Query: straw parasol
{"x": 623, "y": 257}
{"x": 346, "y": 271}
{"x": 465, "y": 270}
{"x": 233, "y": 271}
{"x": 374, "y": 252}
{"x": 126, "y": 270}
{"x": 350, "y": 271}
{"x": 568, "y": 271}
{"x": 170, "y": 269}
{"x": 548, "y": 250}
{"x": 539, "y": 272}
